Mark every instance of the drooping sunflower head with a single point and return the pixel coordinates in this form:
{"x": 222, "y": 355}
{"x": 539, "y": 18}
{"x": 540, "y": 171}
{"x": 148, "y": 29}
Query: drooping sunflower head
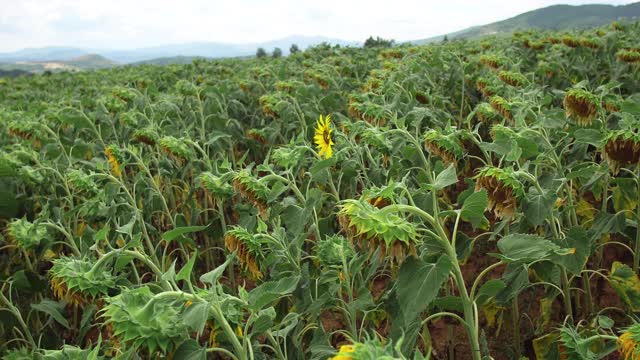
{"x": 247, "y": 247}
{"x": 76, "y": 281}
{"x": 581, "y": 105}
{"x": 253, "y": 190}
{"x": 618, "y": 26}
{"x": 381, "y": 196}
{"x": 322, "y": 137}
{"x": 23, "y": 128}
{"x": 141, "y": 320}
{"x": 622, "y": 148}
{"x": 368, "y": 350}
{"x": 375, "y": 137}
{"x": 570, "y": 41}
{"x": 26, "y": 234}
{"x": 176, "y": 147}
{"x": 288, "y": 156}
{"x": 629, "y": 343}
{"x": 81, "y": 181}
{"x": 513, "y": 78}
{"x": 485, "y": 113}
{"x": 493, "y": 61}
{"x": 146, "y": 136}
{"x": 590, "y": 43}
{"x": 502, "y": 106}
{"x": 114, "y": 157}
{"x": 216, "y": 186}
{"x": 259, "y": 135}
{"x": 631, "y": 56}
{"x": 333, "y": 249}
{"x": 444, "y": 144}
{"x": 612, "y": 103}
{"x": 364, "y": 223}
{"x": 503, "y": 190}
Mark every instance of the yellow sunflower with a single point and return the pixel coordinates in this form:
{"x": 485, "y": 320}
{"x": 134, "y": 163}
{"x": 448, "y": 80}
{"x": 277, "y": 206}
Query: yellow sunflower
{"x": 322, "y": 138}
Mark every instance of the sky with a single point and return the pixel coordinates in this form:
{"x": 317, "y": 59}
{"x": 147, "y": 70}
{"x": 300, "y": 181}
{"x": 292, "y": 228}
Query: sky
{"x": 129, "y": 24}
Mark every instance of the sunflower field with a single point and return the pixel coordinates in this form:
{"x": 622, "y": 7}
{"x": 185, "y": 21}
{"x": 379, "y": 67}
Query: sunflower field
{"x": 471, "y": 199}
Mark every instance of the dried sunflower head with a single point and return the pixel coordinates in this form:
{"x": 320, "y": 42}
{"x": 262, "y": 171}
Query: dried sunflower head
{"x": 24, "y": 128}
{"x": 259, "y": 135}
{"x": 78, "y": 282}
{"x": 444, "y": 144}
{"x": 273, "y": 104}
{"x": 581, "y": 105}
{"x": 570, "y": 41}
{"x": 365, "y": 224}
{"x": 26, "y": 234}
{"x": 622, "y": 148}
{"x": 590, "y": 43}
{"x": 247, "y": 247}
{"x": 503, "y": 190}
{"x": 253, "y": 190}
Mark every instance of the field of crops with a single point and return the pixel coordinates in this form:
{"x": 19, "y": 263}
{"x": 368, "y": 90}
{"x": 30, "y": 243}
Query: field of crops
{"x": 461, "y": 200}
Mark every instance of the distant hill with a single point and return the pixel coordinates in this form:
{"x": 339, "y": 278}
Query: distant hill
{"x": 160, "y": 54}
{"x": 84, "y": 62}
{"x": 556, "y": 17}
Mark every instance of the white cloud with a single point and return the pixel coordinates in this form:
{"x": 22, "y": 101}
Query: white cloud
{"x": 140, "y": 23}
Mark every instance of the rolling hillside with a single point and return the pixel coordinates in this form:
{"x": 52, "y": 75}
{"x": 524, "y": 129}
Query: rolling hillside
{"x": 556, "y": 17}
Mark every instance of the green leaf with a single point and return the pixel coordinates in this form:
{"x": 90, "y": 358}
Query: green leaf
{"x": 489, "y": 290}
{"x": 537, "y": 207}
{"x": 272, "y": 291}
{"x": 190, "y": 350}
{"x": 317, "y": 173}
{"x": 516, "y": 279}
{"x": 473, "y": 208}
{"x": 527, "y": 248}
{"x": 212, "y": 276}
{"x": 185, "y": 272}
{"x": 589, "y": 136}
{"x": 445, "y": 178}
{"x": 578, "y": 239}
{"x": 54, "y": 309}
{"x": 264, "y": 321}
{"x": 419, "y": 283}
{"x": 172, "y": 234}
{"x": 195, "y": 316}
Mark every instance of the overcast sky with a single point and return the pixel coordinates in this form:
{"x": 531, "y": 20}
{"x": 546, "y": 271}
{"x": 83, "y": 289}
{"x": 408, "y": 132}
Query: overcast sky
{"x": 125, "y": 24}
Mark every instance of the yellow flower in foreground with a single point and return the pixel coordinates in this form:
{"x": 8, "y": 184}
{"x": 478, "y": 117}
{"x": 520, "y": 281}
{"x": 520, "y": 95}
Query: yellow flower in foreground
{"x": 322, "y": 138}
{"x": 344, "y": 354}
{"x": 628, "y": 345}
{"x": 113, "y": 162}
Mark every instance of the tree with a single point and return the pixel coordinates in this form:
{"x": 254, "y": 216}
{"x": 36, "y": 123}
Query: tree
{"x": 446, "y": 39}
{"x": 378, "y": 42}
{"x": 294, "y": 49}
{"x": 277, "y": 52}
{"x": 261, "y": 53}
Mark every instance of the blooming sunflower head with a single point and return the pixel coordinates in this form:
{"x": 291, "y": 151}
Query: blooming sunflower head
{"x": 77, "y": 281}
{"x": 393, "y": 235}
{"x": 622, "y": 148}
{"x": 581, "y": 105}
{"x": 503, "y": 190}
{"x": 253, "y": 190}
{"x": 629, "y": 343}
{"x": 114, "y": 157}
{"x": 26, "y": 234}
{"x": 322, "y": 137}
{"x": 444, "y": 144}
{"x": 247, "y": 247}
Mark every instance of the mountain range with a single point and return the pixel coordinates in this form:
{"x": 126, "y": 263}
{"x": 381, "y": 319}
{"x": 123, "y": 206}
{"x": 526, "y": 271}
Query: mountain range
{"x": 556, "y": 17}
